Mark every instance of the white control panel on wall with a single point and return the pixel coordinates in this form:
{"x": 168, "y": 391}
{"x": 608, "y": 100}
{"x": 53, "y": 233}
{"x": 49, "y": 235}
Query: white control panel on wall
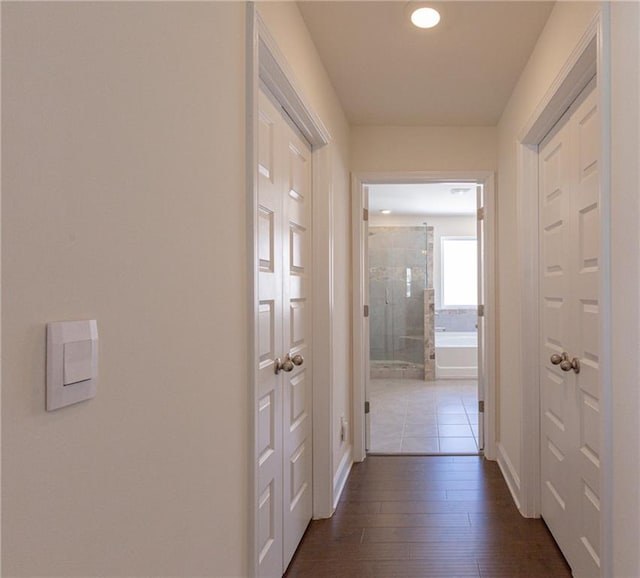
{"x": 72, "y": 362}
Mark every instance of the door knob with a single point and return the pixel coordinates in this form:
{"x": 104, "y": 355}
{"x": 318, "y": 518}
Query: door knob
{"x": 286, "y": 365}
{"x": 574, "y": 364}
{"x": 565, "y": 363}
{"x": 289, "y": 363}
{"x": 558, "y": 359}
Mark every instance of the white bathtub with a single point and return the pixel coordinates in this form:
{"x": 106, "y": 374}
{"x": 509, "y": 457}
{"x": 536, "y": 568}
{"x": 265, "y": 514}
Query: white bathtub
{"x": 456, "y": 354}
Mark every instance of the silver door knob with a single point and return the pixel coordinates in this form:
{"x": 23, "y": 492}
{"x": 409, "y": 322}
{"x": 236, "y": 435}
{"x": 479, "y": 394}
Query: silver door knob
{"x": 565, "y": 365}
{"x": 286, "y": 365}
{"x": 297, "y": 359}
{"x": 574, "y": 364}
{"x": 558, "y": 359}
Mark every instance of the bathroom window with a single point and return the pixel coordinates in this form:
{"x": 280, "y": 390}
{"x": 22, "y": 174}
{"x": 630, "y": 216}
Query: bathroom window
{"x": 459, "y": 272}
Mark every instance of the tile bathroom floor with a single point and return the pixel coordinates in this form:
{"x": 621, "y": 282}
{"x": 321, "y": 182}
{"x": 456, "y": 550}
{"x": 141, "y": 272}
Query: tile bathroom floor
{"x": 425, "y": 417}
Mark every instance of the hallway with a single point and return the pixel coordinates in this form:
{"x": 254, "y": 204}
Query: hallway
{"x": 133, "y": 152}
{"x": 428, "y": 517}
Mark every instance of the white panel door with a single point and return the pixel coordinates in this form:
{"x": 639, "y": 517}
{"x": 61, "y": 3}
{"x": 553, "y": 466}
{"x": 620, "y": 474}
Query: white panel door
{"x": 585, "y": 213}
{"x": 270, "y": 338}
{"x": 283, "y": 404}
{"x": 296, "y": 341}
{"x": 569, "y": 290}
{"x": 556, "y": 386}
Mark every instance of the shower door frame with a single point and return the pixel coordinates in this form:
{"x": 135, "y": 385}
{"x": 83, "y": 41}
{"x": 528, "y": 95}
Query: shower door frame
{"x": 359, "y": 184}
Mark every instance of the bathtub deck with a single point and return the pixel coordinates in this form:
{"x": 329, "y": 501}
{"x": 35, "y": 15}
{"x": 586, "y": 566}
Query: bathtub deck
{"x": 456, "y": 355}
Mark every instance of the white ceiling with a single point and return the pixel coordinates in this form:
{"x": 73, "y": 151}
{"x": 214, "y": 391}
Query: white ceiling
{"x": 461, "y": 73}
{"x": 435, "y": 199}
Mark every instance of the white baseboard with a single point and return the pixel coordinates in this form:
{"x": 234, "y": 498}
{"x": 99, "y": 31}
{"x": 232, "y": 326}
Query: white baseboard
{"x": 341, "y": 475}
{"x": 509, "y": 474}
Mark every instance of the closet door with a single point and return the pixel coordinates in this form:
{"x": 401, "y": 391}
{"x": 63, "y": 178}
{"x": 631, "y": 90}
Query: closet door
{"x": 585, "y": 212}
{"x": 296, "y": 341}
{"x": 283, "y": 404}
{"x": 556, "y": 385}
{"x": 569, "y": 290}
{"x": 270, "y": 335}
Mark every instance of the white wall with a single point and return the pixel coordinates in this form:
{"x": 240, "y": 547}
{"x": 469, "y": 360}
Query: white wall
{"x": 423, "y": 148}
{"x": 443, "y": 226}
{"x": 285, "y": 23}
{"x": 124, "y": 201}
{"x": 565, "y": 26}
{"x": 625, "y": 285}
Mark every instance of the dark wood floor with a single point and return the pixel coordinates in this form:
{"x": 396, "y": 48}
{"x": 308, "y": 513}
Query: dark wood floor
{"x": 427, "y": 516}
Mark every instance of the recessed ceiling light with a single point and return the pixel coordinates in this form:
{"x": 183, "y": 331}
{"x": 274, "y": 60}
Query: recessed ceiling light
{"x": 425, "y": 17}
{"x": 385, "y": 211}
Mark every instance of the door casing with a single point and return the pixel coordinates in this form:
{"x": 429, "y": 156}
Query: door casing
{"x": 587, "y": 59}
{"x": 266, "y": 64}
{"x": 360, "y": 280}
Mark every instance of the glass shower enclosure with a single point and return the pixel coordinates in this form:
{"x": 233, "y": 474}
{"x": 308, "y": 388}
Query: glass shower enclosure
{"x": 398, "y": 301}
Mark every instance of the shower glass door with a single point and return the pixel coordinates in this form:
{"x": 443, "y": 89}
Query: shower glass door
{"x": 397, "y": 282}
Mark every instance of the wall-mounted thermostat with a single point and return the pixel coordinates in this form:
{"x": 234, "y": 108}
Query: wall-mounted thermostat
{"x": 72, "y": 362}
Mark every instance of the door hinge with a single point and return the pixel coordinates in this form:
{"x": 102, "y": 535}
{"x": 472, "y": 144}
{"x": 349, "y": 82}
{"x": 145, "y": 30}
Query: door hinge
{"x": 365, "y": 214}
{"x": 367, "y": 407}
{"x": 480, "y": 310}
{"x": 480, "y": 213}
{"x": 366, "y": 311}
{"x": 481, "y": 406}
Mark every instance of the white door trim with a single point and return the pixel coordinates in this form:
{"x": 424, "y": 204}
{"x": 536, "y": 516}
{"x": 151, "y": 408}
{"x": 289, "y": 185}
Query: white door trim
{"x": 266, "y": 64}
{"x": 360, "y": 326}
{"x": 590, "y": 57}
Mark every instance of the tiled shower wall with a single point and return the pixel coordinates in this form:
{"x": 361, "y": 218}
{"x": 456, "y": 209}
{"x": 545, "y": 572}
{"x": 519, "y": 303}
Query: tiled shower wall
{"x": 429, "y": 336}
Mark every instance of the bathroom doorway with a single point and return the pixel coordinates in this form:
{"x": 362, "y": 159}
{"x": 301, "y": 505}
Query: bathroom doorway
{"x": 422, "y": 275}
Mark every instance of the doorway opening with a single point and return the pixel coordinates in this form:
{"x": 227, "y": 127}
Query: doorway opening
{"x": 423, "y": 318}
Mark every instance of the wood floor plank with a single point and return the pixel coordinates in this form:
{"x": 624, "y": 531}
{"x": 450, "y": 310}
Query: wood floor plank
{"x": 360, "y": 495}
{"x": 427, "y": 516}
{"x": 374, "y": 483}
{"x": 385, "y": 569}
{"x": 401, "y": 520}
{"x": 444, "y": 507}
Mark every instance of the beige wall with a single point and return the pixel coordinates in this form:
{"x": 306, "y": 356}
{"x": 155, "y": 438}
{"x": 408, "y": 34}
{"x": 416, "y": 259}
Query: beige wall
{"x": 423, "y": 148}
{"x": 285, "y": 23}
{"x": 566, "y": 24}
{"x": 124, "y": 201}
{"x": 625, "y": 286}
